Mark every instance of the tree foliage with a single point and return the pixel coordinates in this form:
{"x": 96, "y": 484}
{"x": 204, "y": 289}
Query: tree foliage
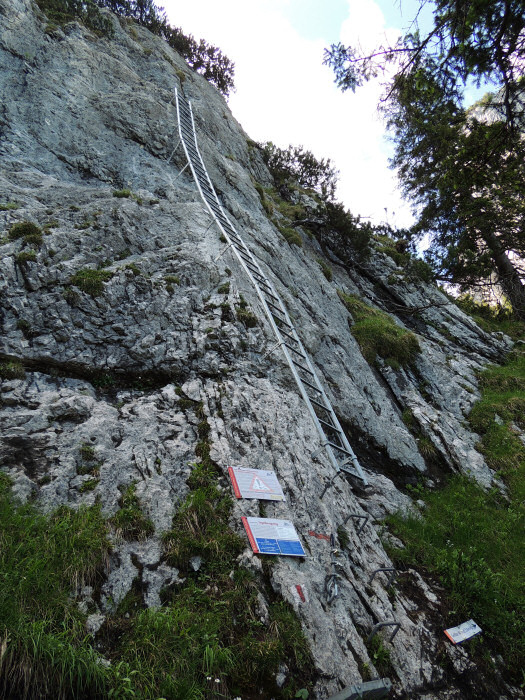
{"x": 464, "y": 169}
{"x": 480, "y": 40}
{"x": 204, "y": 58}
{"x": 295, "y": 164}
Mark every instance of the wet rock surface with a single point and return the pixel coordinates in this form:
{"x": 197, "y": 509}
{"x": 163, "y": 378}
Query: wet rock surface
{"x": 85, "y": 117}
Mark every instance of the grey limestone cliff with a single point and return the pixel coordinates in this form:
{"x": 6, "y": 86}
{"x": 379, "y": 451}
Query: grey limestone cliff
{"x": 84, "y": 116}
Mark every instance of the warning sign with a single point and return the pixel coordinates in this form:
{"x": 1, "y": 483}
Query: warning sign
{"x": 271, "y": 536}
{"x": 255, "y": 483}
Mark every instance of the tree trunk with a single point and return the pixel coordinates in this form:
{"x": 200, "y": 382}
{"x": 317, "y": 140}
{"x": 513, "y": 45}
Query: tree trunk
{"x": 508, "y": 276}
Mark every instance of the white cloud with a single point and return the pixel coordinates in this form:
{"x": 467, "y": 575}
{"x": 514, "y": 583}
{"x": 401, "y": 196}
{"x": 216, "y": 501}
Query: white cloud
{"x": 285, "y": 94}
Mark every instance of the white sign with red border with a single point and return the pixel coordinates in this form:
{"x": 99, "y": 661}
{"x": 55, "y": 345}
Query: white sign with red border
{"x": 464, "y": 631}
{"x": 255, "y": 483}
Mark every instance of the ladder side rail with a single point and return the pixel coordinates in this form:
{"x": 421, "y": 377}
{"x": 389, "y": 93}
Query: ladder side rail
{"x": 196, "y": 177}
{"x": 260, "y": 293}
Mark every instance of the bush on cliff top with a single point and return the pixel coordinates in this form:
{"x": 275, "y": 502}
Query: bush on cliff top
{"x": 204, "y": 58}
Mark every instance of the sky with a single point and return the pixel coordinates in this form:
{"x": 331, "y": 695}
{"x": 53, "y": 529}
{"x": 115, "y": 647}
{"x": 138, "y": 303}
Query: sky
{"x": 284, "y": 93}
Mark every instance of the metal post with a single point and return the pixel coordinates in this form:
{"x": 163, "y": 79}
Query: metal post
{"x": 390, "y": 578}
{"x": 357, "y": 516}
{"x": 222, "y": 252}
{"x": 371, "y": 690}
{"x": 380, "y": 625}
{"x": 183, "y": 169}
{"x": 274, "y": 347}
{"x": 173, "y": 152}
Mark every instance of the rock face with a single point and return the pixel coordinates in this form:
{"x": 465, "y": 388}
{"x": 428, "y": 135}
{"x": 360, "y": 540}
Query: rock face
{"x": 83, "y": 117}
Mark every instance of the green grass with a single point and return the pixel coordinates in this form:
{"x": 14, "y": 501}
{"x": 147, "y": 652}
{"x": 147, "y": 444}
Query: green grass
{"x": 42, "y": 560}
{"x": 378, "y": 335}
{"x": 473, "y": 539}
{"x": 9, "y": 206}
{"x": 129, "y": 521}
{"x": 326, "y": 269}
{"x": 12, "y": 370}
{"x": 91, "y": 281}
{"x": 291, "y": 235}
{"x": 122, "y": 194}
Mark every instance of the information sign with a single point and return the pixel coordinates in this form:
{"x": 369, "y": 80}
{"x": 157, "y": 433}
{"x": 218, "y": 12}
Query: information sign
{"x": 271, "y": 536}
{"x": 255, "y": 483}
{"x": 464, "y": 631}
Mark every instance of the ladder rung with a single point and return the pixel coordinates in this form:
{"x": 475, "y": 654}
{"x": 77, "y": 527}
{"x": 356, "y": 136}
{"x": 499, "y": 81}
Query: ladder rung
{"x": 347, "y": 470}
{"x": 329, "y": 425}
{"x": 249, "y": 259}
{"x": 253, "y": 267}
{"x": 311, "y": 385}
{"x": 262, "y": 279}
{"x": 280, "y": 319}
{"x": 340, "y": 448}
{"x": 305, "y": 369}
{"x": 232, "y": 234}
{"x": 291, "y": 337}
{"x": 317, "y": 403}
{"x": 274, "y": 306}
{"x": 270, "y": 294}
{"x": 297, "y": 352}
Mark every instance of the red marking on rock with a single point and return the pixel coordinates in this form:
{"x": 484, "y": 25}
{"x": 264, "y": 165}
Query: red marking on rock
{"x": 318, "y": 535}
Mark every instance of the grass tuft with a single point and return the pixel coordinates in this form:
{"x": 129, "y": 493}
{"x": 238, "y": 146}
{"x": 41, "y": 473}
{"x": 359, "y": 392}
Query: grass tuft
{"x": 378, "y": 335}
{"x": 129, "y": 521}
{"x": 12, "y": 370}
{"x": 91, "y": 281}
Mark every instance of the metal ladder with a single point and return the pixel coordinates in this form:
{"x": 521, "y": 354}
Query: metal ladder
{"x": 333, "y": 438}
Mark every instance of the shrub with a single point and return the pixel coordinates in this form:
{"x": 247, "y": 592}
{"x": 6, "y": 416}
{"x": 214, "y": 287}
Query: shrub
{"x": 23, "y": 325}
{"x": 135, "y": 269}
{"x": 64, "y": 11}
{"x": 204, "y": 58}
{"x": 419, "y": 271}
{"x": 247, "y": 318}
{"x": 27, "y": 230}
{"x": 26, "y": 256}
{"x": 122, "y": 194}
{"x": 170, "y": 281}
{"x": 341, "y": 231}
{"x": 378, "y": 334}
{"x": 295, "y": 164}
{"x": 88, "y": 485}
{"x": 91, "y": 281}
